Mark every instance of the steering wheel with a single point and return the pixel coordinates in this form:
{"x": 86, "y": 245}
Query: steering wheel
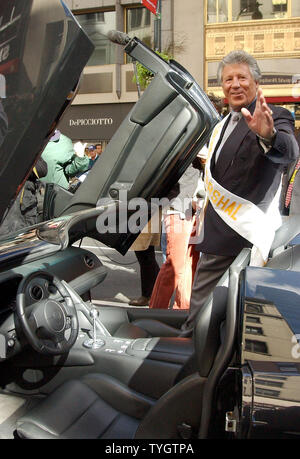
{"x": 45, "y": 322}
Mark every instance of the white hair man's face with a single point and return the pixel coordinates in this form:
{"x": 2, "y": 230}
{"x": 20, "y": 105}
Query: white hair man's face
{"x": 238, "y": 85}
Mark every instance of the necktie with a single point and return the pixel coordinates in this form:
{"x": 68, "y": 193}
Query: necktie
{"x": 288, "y": 195}
{"x": 234, "y": 119}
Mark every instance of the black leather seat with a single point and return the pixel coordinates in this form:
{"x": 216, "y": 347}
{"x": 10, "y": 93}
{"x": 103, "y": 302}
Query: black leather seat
{"x": 133, "y": 323}
{"x": 289, "y": 229}
{"x": 99, "y": 406}
{"x": 147, "y": 327}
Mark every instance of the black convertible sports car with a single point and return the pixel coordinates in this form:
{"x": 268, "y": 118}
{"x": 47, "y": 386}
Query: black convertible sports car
{"x": 71, "y": 370}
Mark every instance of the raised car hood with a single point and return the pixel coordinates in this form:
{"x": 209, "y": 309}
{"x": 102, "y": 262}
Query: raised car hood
{"x": 43, "y": 51}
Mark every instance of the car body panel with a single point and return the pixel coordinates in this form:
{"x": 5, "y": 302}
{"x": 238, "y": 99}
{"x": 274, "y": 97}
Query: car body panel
{"x": 43, "y": 53}
{"x": 270, "y": 351}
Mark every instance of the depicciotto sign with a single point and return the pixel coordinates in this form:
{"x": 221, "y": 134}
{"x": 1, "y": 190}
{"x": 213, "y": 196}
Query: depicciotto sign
{"x": 91, "y": 122}
{"x": 95, "y": 121}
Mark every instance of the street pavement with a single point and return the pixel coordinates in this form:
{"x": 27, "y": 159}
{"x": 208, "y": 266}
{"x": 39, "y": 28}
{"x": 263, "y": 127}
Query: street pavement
{"x": 123, "y": 274}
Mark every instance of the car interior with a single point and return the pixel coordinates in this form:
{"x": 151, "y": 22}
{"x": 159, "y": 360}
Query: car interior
{"x": 159, "y": 386}
{"x": 71, "y": 369}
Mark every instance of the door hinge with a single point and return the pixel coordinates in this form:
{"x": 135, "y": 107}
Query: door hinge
{"x": 230, "y": 422}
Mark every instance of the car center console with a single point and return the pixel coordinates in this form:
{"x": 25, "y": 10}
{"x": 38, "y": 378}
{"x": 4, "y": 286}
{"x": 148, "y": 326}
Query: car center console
{"x": 169, "y": 349}
{"x": 147, "y": 365}
{"x": 130, "y": 360}
{"x": 165, "y": 349}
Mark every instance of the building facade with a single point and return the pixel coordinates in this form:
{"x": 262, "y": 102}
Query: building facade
{"x": 196, "y": 33}
{"x": 270, "y": 31}
{"x": 107, "y": 89}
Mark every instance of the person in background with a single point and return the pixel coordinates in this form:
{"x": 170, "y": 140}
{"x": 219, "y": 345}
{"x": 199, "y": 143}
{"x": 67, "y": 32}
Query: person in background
{"x": 25, "y": 210}
{"x": 177, "y": 272}
{"x": 63, "y": 160}
{"x": 93, "y": 155}
{"x": 144, "y": 249}
{"x": 98, "y": 149}
{"x": 290, "y": 196}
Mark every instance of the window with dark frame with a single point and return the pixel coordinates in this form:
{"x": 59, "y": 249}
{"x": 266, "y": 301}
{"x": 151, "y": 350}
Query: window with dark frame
{"x": 279, "y": 6}
{"x": 253, "y": 319}
{"x": 248, "y": 6}
{"x": 267, "y": 392}
{"x": 259, "y": 347}
{"x": 246, "y": 10}
{"x": 254, "y": 308}
{"x": 254, "y": 330}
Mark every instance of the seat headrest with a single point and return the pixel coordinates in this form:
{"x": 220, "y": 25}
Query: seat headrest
{"x": 288, "y": 259}
{"x": 289, "y": 229}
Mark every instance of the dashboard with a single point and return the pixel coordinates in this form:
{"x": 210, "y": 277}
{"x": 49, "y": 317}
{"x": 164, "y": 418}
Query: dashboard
{"x": 77, "y": 266}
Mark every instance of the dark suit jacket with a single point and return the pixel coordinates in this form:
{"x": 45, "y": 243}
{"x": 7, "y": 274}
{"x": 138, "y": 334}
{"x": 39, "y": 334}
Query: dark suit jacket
{"x": 294, "y": 208}
{"x": 244, "y": 169}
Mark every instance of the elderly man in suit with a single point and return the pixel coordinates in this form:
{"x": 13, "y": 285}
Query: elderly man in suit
{"x": 248, "y": 151}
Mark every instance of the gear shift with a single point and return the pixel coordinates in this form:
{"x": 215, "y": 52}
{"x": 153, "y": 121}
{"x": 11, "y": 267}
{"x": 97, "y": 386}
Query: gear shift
{"x": 94, "y": 343}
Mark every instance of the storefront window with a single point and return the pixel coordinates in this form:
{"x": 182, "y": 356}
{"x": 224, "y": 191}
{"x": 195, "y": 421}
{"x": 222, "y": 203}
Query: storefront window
{"x": 217, "y": 11}
{"x": 249, "y": 10}
{"x": 275, "y": 72}
{"x": 97, "y": 25}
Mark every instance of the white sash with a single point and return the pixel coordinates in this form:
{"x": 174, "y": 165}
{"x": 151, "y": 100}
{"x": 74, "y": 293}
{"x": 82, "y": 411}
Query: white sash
{"x": 241, "y": 215}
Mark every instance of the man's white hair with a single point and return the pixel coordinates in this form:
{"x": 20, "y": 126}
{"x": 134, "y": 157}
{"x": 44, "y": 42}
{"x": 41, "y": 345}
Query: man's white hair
{"x": 239, "y": 57}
